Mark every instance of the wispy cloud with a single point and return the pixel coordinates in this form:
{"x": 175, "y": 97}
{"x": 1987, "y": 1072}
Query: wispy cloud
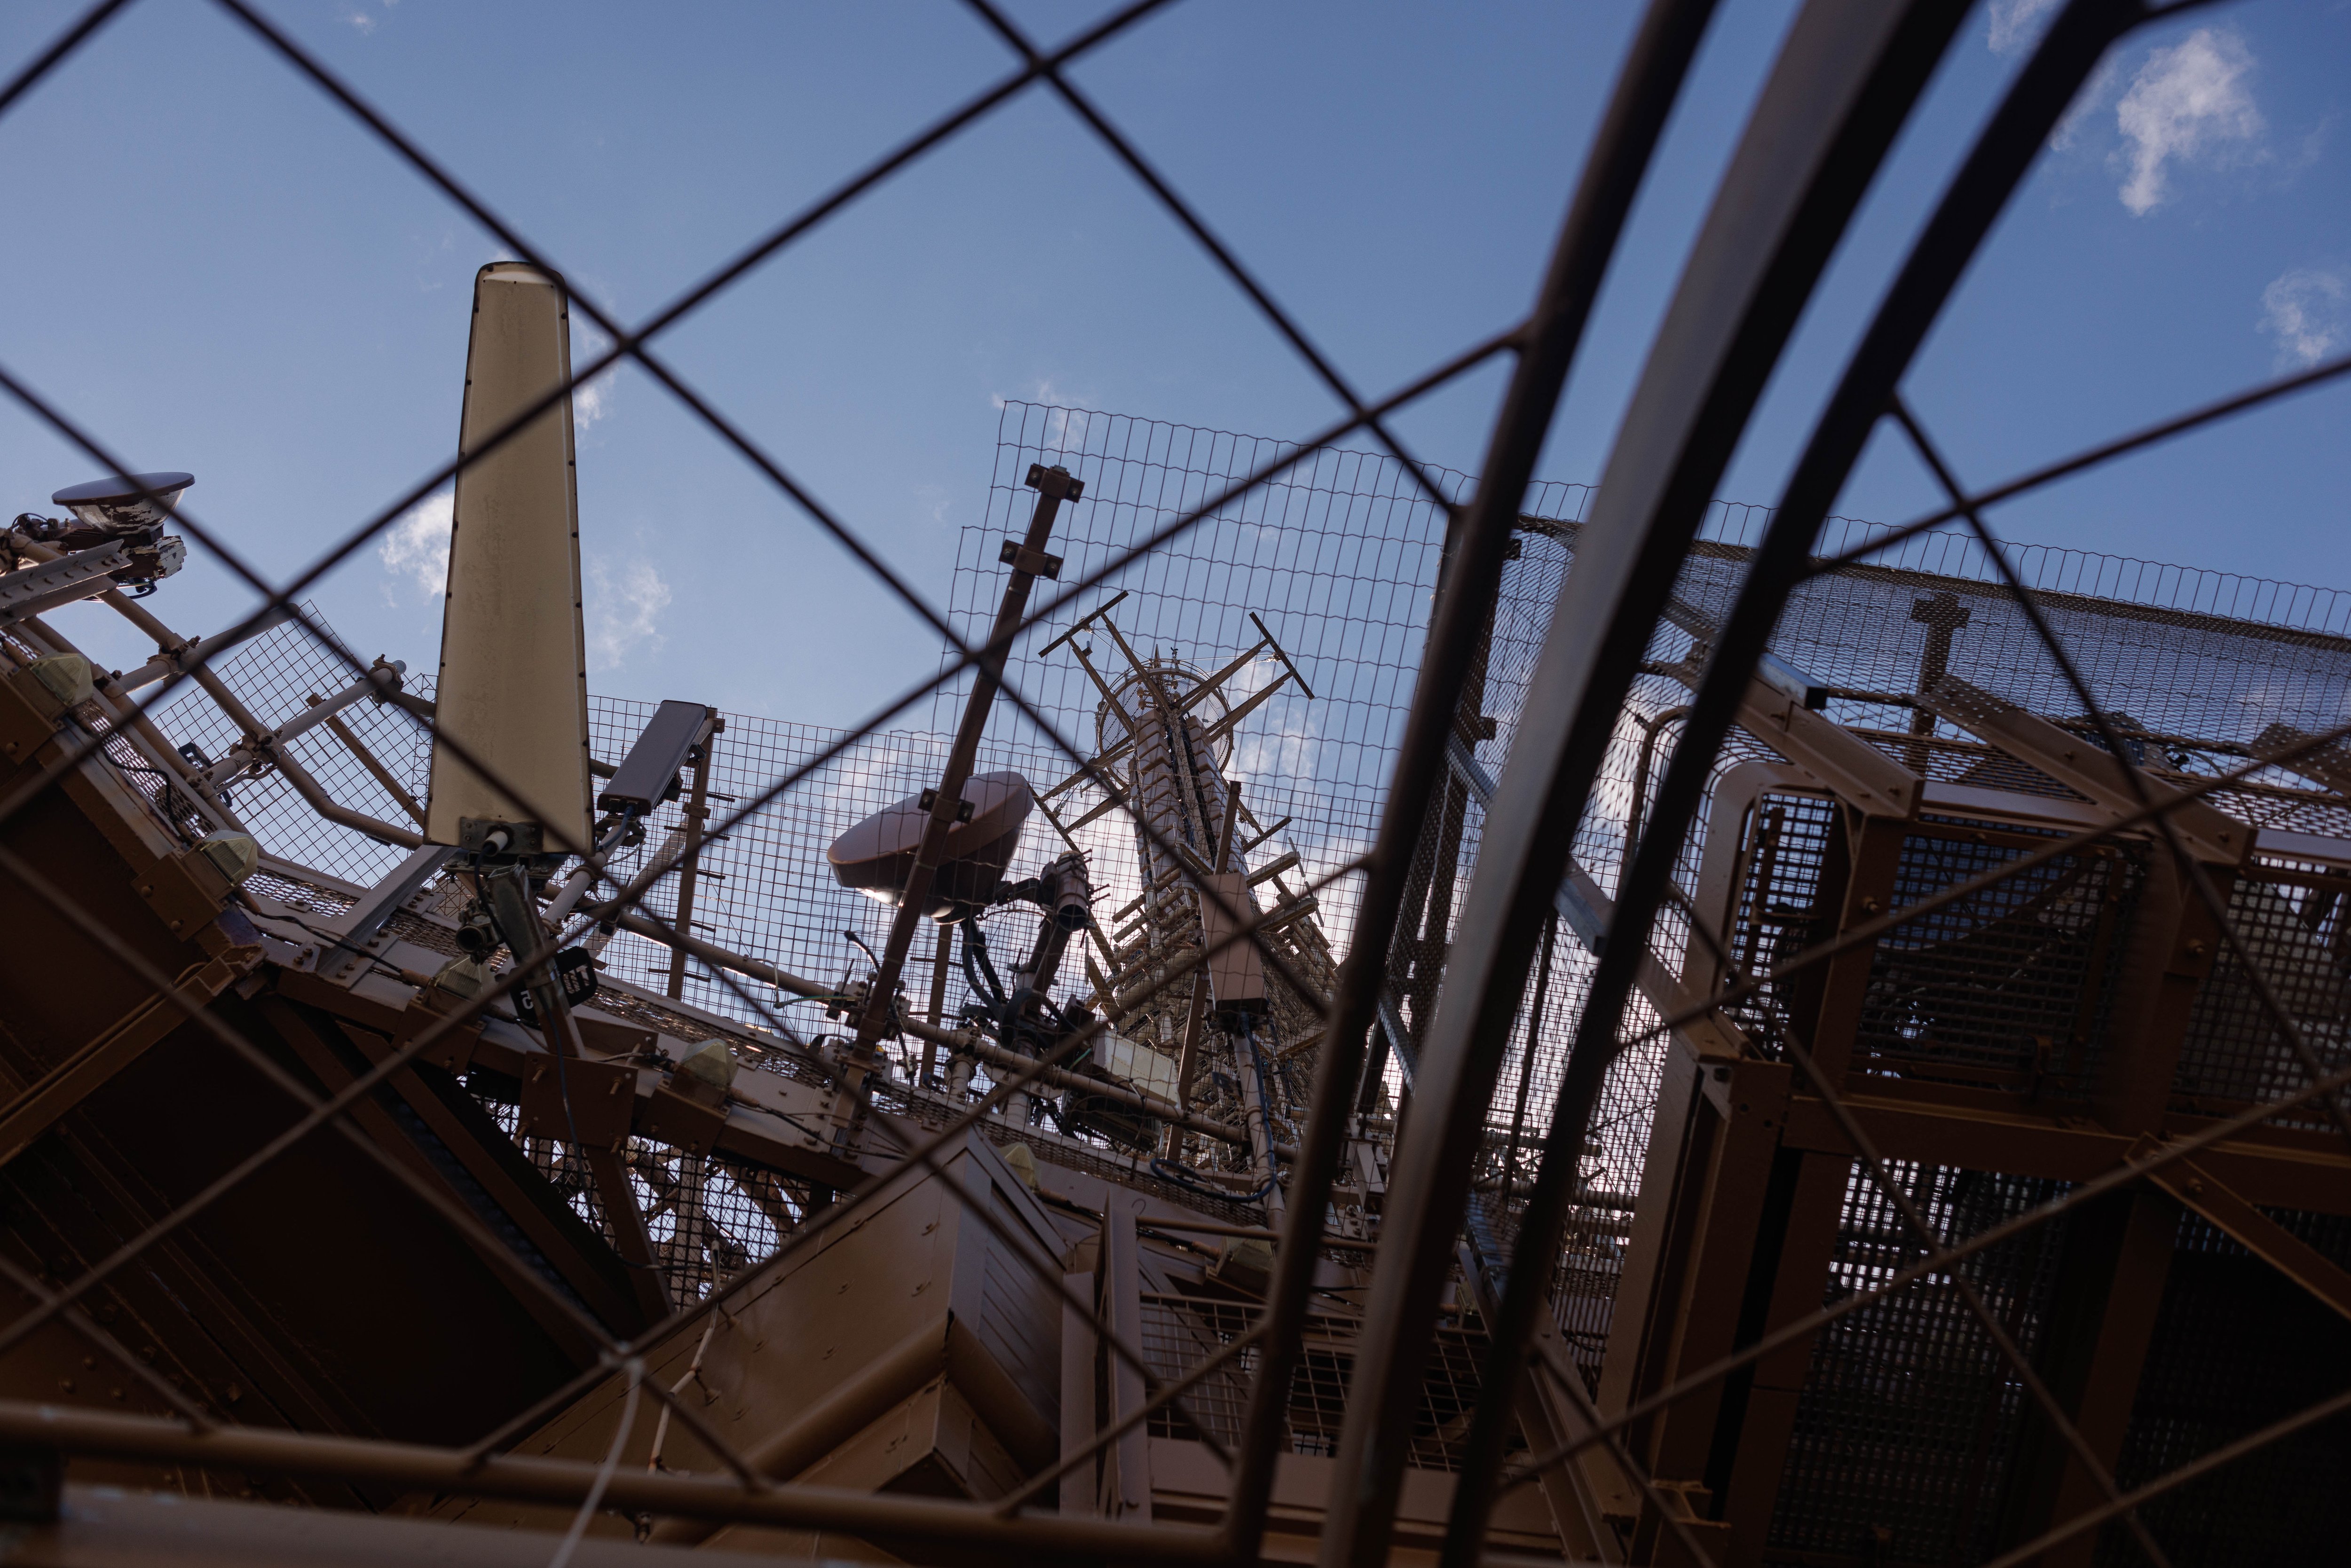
{"x": 416, "y": 547}
{"x": 590, "y": 403}
{"x": 1062, "y": 433}
{"x": 624, "y": 611}
{"x": 2190, "y": 102}
{"x": 2308, "y": 311}
{"x": 935, "y": 501}
{"x": 360, "y": 22}
{"x": 2015, "y": 24}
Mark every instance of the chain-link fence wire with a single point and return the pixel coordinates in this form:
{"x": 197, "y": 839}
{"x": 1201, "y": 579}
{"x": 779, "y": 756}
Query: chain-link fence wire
{"x": 2017, "y": 988}
{"x": 1302, "y": 556}
{"x": 1035, "y": 68}
{"x": 1531, "y": 1051}
{"x": 1957, "y": 996}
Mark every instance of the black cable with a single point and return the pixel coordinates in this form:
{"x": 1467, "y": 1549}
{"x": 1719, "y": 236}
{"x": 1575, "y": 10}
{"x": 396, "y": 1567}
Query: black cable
{"x": 975, "y": 948}
{"x": 1176, "y": 1176}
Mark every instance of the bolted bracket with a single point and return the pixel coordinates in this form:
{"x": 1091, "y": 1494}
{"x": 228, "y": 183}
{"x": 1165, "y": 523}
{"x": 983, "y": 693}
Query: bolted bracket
{"x": 930, "y": 801}
{"x": 1035, "y": 562}
{"x": 1054, "y": 482}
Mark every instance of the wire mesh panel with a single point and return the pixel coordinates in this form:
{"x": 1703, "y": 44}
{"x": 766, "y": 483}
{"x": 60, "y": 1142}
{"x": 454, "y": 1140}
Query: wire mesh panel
{"x": 277, "y": 677}
{"x": 1910, "y": 1419}
{"x": 2014, "y": 987}
{"x": 2179, "y": 652}
{"x": 708, "y": 1218}
{"x": 1337, "y": 557}
{"x": 763, "y": 886}
{"x": 1777, "y": 904}
{"x": 1180, "y": 1331}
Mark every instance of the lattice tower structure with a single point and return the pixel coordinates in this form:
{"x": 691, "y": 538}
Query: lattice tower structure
{"x": 1180, "y": 800}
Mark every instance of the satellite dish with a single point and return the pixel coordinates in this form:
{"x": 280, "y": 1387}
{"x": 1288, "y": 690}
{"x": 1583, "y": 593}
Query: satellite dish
{"x": 120, "y": 504}
{"x": 877, "y": 856}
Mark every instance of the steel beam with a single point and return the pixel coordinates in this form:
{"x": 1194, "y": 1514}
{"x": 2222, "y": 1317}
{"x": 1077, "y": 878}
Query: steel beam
{"x": 2256, "y": 1232}
{"x": 2082, "y": 766}
{"x": 97, "y": 1062}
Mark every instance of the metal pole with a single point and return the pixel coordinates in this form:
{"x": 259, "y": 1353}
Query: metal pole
{"x": 1028, "y": 562}
{"x": 939, "y": 963}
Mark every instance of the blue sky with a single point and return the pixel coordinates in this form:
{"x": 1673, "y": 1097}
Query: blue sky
{"x": 216, "y": 269}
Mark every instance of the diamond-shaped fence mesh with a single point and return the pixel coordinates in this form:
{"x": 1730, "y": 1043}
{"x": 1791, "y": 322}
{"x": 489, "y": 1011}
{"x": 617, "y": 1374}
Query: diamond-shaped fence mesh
{"x": 2012, "y": 989}
{"x": 1906, "y": 1427}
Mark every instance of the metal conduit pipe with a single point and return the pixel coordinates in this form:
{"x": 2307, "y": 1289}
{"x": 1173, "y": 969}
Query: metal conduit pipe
{"x": 565, "y": 1483}
{"x": 960, "y": 1042}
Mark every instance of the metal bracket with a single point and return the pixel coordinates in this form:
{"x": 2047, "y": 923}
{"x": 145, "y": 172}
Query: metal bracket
{"x": 522, "y": 838}
{"x": 930, "y": 800}
{"x": 1035, "y": 562}
{"x": 1862, "y": 776}
{"x": 1054, "y": 482}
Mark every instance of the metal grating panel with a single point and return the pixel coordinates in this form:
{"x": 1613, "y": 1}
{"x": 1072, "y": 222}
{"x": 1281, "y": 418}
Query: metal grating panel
{"x": 2013, "y": 987}
{"x": 708, "y": 1217}
{"x": 1179, "y": 1333}
{"x": 1909, "y": 1417}
{"x": 1775, "y": 909}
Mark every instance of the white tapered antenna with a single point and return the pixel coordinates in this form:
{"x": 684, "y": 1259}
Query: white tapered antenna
{"x": 514, "y": 671}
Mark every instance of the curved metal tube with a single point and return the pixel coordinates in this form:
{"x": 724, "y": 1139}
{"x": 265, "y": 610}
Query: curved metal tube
{"x": 2000, "y": 160}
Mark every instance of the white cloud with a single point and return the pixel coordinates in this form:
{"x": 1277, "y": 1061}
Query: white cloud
{"x": 2015, "y": 24}
{"x": 416, "y": 545}
{"x": 2188, "y": 101}
{"x": 361, "y": 21}
{"x": 2308, "y": 310}
{"x": 590, "y": 403}
{"x": 624, "y": 611}
{"x": 591, "y": 400}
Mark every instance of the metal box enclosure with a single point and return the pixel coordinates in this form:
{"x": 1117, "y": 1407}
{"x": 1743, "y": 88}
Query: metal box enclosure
{"x": 911, "y": 1349}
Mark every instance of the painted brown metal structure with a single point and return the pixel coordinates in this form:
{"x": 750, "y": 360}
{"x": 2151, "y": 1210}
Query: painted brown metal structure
{"x": 457, "y": 1337}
